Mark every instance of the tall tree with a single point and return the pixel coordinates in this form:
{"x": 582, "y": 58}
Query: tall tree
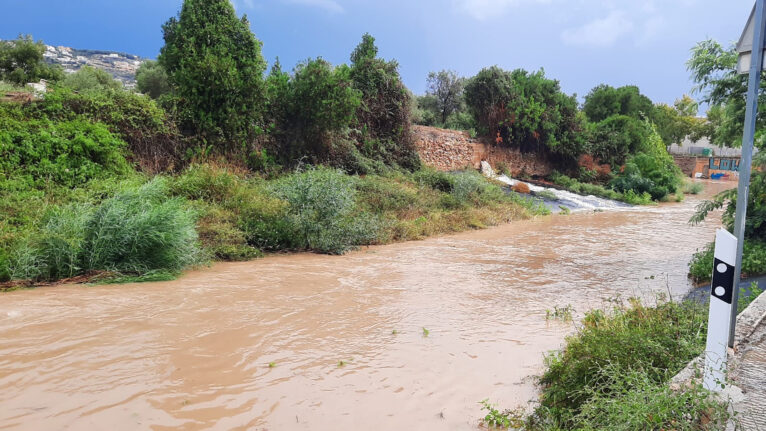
{"x": 447, "y": 89}
{"x": 215, "y": 68}
{"x": 383, "y": 117}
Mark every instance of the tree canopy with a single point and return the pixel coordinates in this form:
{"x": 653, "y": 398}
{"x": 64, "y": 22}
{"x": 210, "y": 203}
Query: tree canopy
{"x": 215, "y": 69}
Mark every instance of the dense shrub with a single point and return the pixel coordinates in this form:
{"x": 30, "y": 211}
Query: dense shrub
{"x": 310, "y": 109}
{"x": 615, "y": 138}
{"x": 89, "y": 79}
{"x": 322, "y": 211}
{"x": 215, "y": 69}
{"x": 753, "y": 261}
{"x": 614, "y": 357}
{"x": 645, "y": 173}
{"x": 152, "y": 80}
{"x": 151, "y": 136}
{"x": 137, "y": 231}
{"x": 36, "y": 152}
{"x": 437, "y": 180}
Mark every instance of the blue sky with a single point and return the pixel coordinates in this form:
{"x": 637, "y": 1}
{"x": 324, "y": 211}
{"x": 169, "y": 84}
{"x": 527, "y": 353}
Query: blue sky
{"x": 579, "y": 42}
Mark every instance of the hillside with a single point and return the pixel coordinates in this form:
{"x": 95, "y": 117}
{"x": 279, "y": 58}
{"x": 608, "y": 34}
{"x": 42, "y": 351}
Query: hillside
{"x": 122, "y": 66}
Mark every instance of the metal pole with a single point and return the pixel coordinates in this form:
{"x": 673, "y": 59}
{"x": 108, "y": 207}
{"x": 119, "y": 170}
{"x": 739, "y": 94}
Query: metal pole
{"x": 753, "y": 87}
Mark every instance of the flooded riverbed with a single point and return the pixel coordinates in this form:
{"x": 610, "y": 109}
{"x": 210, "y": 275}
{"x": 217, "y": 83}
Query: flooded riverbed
{"x": 310, "y": 342}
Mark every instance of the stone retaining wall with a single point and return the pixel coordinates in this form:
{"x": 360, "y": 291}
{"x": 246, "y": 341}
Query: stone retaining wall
{"x": 449, "y": 150}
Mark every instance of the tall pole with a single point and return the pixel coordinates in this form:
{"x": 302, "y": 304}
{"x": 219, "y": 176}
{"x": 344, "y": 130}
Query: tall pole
{"x": 753, "y": 87}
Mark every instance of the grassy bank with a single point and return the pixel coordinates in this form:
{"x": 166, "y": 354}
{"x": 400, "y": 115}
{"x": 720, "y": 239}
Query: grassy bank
{"x": 614, "y": 374}
{"x": 127, "y": 224}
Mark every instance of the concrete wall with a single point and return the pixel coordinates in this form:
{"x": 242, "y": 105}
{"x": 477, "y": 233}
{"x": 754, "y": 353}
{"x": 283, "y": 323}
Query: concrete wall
{"x": 449, "y": 150}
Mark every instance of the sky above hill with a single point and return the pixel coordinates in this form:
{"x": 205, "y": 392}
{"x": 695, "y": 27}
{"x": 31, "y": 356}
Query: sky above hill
{"x": 579, "y": 42}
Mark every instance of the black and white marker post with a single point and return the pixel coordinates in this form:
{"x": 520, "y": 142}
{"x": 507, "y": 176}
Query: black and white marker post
{"x": 721, "y": 306}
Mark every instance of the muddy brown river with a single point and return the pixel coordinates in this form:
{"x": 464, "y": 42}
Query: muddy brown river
{"x": 195, "y": 353}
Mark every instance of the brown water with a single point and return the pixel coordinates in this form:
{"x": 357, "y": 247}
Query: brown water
{"x": 194, "y": 353}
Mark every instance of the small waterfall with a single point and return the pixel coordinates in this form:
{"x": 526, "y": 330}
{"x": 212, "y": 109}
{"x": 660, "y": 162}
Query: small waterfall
{"x": 564, "y": 198}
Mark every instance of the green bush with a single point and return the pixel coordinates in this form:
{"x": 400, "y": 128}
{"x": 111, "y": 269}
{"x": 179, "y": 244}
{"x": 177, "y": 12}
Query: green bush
{"x": 310, "y": 109}
{"x": 139, "y": 231}
{"x": 151, "y": 137}
{"x": 152, "y": 80}
{"x": 322, "y": 211}
{"x": 753, "y": 261}
{"x": 614, "y": 357}
{"x": 436, "y": 180}
{"x": 89, "y": 79}
{"x": 605, "y": 101}
{"x": 615, "y": 138}
{"x": 35, "y": 152}
{"x": 633, "y": 401}
{"x": 529, "y": 111}
{"x": 655, "y": 174}
{"x": 470, "y": 187}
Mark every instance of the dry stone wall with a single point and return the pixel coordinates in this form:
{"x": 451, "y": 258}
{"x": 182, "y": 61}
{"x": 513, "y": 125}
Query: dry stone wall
{"x": 449, "y": 150}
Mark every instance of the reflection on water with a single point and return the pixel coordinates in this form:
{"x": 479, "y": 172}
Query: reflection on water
{"x": 194, "y": 353}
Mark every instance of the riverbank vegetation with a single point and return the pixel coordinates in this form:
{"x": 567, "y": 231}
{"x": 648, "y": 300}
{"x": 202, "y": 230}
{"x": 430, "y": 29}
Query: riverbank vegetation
{"x": 615, "y": 373}
{"x": 714, "y": 71}
{"x": 616, "y": 141}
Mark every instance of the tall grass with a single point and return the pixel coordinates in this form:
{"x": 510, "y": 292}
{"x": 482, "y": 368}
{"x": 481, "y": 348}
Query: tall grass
{"x": 138, "y": 231}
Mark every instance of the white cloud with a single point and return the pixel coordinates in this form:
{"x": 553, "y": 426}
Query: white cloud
{"x": 601, "y": 32}
{"x": 483, "y": 9}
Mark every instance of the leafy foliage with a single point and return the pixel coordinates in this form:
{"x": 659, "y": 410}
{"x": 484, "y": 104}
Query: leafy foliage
{"x": 21, "y": 61}
{"x": 383, "y": 117}
{"x": 322, "y": 211}
{"x": 34, "y": 152}
{"x": 152, "y": 80}
{"x": 619, "y": 362}
{"x": 605, "y": 101}
{"x": 90, "y": 79}
{"x": 310, "y": 109}
{"x": 150, "y": 134}
{"x": 613, "y": 139}
{"x": 527, "y": 109}
{"x": 215, "y": 69}
{"x": 446, "y": 89}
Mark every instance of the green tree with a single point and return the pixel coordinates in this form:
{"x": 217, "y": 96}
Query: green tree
{"x": 91, "y": 79}
{"x": 614, "y": 139}
{"x": 152, "y": 80}
{"x": 713, "y": 69}
{"x": 215, "y": 69}
{"x": 604, "y": 101}
{"x": 446, "y": 88}
{"x": 528, "y": 110}
{"x": 22, "y": 61}
{"x": 678, "y": 122}
{"x": 314, "y": 106}
{"x": 383, "y": 117}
